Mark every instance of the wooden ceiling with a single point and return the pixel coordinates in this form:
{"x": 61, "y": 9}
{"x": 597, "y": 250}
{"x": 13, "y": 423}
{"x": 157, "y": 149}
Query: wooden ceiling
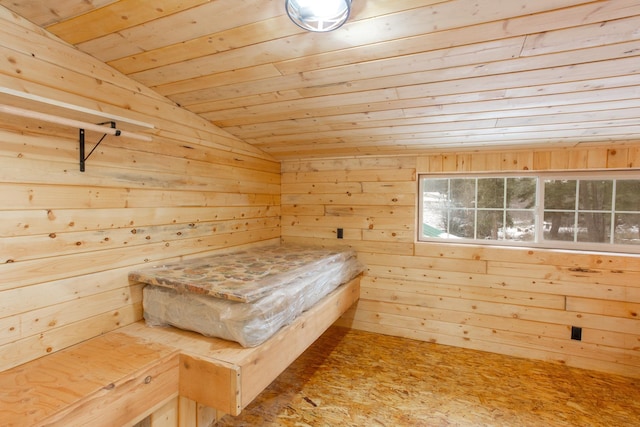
{"x": 401, "y": 77}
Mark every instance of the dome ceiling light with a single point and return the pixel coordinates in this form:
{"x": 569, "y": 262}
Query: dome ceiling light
{"x": 318, "y": 15}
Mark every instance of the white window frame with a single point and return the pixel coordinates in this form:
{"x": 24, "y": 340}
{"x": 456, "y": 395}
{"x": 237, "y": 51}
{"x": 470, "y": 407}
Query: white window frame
{"x": 539, "y": 241}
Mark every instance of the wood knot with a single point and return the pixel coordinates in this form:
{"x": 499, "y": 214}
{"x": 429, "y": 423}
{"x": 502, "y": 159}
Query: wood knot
{"x": 582, "y": 270}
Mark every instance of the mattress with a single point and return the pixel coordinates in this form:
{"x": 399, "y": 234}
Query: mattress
{"x": 245, "y": 296}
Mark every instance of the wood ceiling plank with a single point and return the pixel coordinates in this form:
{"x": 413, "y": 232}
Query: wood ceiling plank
{"x": 479, "y": 53}
{"x": 366, "y": 32}
{"x": 111, "y": 46}
{"x": 373, "y": 131}
{"x": 607, "y": 12}
{"x": 478, "y": 103}
{"x": 515, "y": 138}
{"x": 286, "y": 108}
{"x": 587, "y": 101}
{"x": 179, "y": 27}
{"x": 195, "y": 87}
{"x": 218, "y": 41}
{"x": 610, "y": 127}
{"x": 460, "y": 129}
{"x": 296, "y": 109}
{"x": 518, "y": 117}
{"x": 257, "y": 99}
{"x": 571, "y": 118}
{"x": 46, "y": 13}
{"x": 498, "y": 135}
{"x": 601, "y": 99}
{"x": 337, "y": 152}
{"x": 243, "y": 57}
{"x": 242, "y": 101}
{"x": 584, "y": 36}
{"x": 212, "y": 108}
{"x": 332, "y": 122}
{"x": 512, "y": 27}
{"x": 117, "y": 16}
{"x": 568, "y": 87}
{"x": 373, "y": 128}
{"x": 246, "y": 35}
{"x": 620, "y": 67}
{"x": 583, "y": 64}
{"x": 442, "y": 143}
{"x": 288, "y": 84}
{"x": 443, "y": 16}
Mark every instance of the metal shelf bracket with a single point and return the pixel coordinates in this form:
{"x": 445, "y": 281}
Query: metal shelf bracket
{"x": 81, "y": 141}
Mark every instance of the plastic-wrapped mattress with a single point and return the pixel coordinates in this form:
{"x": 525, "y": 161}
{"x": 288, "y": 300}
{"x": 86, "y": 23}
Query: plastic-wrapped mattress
{"x": 244, "y": 296}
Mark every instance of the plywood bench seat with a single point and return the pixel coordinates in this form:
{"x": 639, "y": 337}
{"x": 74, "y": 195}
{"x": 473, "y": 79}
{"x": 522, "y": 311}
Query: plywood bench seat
{"x": 118, "y": 378}
{"x": 111, "y": 380}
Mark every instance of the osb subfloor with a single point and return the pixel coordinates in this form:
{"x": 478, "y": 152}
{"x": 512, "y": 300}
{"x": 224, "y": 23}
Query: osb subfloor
{"x": 355, "y": 378}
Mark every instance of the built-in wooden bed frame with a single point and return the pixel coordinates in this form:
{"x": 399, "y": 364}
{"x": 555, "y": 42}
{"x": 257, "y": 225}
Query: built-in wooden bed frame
{"x": 121, "y": 377}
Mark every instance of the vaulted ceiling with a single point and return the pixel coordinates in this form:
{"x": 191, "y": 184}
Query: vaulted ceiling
{"x": 401, "y": 77}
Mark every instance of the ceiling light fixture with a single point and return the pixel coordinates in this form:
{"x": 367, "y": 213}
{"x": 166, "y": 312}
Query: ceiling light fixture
{"x": 318, "y": 15}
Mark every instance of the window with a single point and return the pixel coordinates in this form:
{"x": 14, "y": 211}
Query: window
{"x": 598, "y": 212}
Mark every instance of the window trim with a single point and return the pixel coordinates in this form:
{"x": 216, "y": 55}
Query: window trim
{"x": 539, "y": 241}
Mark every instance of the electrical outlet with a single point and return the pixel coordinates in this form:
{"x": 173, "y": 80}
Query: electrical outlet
{"x": 340, "y": 233}
{"x": 576, "y": 333}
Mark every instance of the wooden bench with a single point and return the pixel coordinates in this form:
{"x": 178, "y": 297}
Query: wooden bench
{"x": 121, "y": 377}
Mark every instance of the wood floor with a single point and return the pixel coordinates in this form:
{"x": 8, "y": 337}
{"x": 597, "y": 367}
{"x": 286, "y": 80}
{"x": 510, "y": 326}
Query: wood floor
{"x": 355, "y": 378}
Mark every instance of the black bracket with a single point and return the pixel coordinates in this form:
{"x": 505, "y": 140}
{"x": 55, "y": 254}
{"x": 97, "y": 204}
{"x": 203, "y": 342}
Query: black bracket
{"x": 84, "y": 158}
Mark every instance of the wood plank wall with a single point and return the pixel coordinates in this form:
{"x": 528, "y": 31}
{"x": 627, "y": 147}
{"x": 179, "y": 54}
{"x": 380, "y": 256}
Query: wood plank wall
{"x": 68, "y": 239}
{"x": 513, "y": 301}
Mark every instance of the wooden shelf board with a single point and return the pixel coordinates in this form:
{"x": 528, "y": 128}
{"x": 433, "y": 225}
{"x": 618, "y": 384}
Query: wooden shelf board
{"x": 28, "y": 101}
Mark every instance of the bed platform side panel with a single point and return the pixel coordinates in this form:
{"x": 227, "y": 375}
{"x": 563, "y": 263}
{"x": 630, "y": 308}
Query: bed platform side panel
{"x": 261, "y": 367}
{"x": 209, "y": 383}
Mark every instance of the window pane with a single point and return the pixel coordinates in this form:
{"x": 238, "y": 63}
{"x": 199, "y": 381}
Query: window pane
{"x": 627, "y": 229}
{"x": 588, "y": 214}
{"x": 559, "y": 225}
{"x": 435, "y": 197}
{"x": 521, "y": 193}
{"x": 628, "y": 195}
{"x": 434, "y": 223}
{"x": 595, "y": 195}
{"x": 491, "y": 193}
{"x": 461, "y": 223}
{"x": 439, "y": 186}
{"x": 594, "y": 227}
{"x": 521, "y": 226}
{"x": 489, "y": 223}
{"x": 559, "y": 194}
{"x": 463, "y": 192}
{"x": 434, "y": 200}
